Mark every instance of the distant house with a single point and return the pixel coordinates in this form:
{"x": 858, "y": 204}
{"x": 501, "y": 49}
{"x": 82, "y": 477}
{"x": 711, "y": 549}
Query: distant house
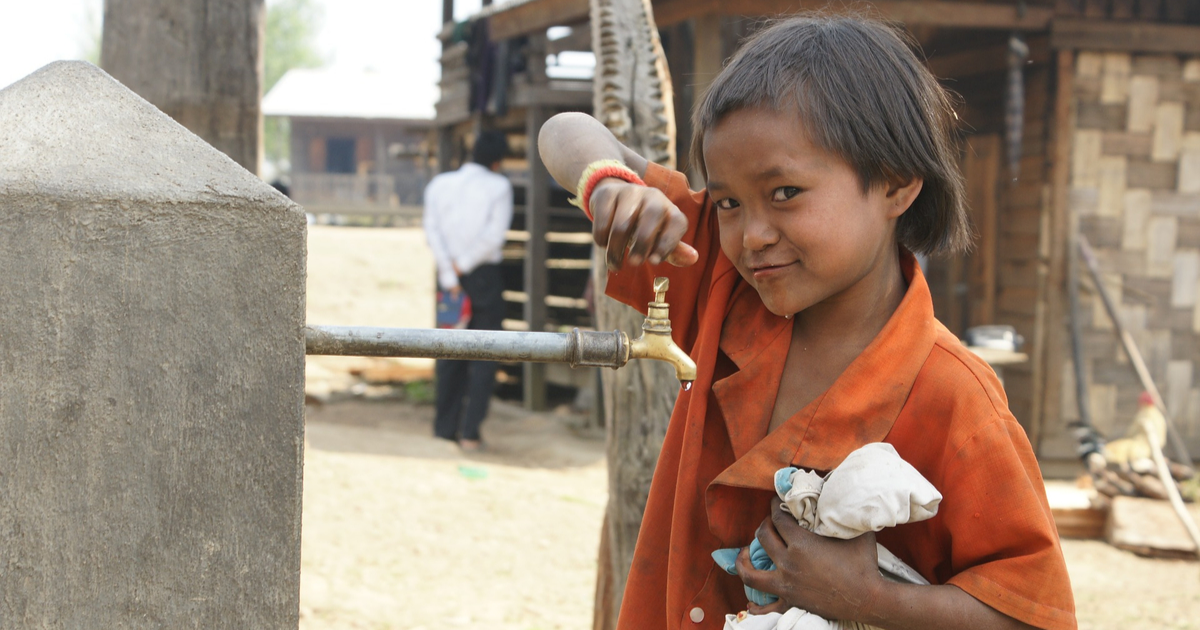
{"x": 358, "y": 140}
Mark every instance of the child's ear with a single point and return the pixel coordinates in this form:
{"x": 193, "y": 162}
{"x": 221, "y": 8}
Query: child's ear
{"x": 901, "y": 195}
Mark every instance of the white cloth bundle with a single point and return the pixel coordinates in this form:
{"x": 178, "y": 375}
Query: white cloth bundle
{"x": 873, "y": 488}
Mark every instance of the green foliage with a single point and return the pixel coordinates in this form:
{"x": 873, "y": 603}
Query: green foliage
{"x": 290, "y": 42}
{"x": 419, "y": 392}
{"x": 291, "y": 39}
{"x": 91, "y": 30}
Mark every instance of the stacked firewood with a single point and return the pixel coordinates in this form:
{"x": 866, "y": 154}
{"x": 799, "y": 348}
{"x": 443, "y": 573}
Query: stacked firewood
{"x": 1137, "y": 478}
{"x": 1126, "y": 467}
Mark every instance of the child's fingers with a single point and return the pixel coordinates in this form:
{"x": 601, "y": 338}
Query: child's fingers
{"x": 765, "y": 581}
{"x": 624, "y": 222}
{"x": 603, "y": 204}
{"x": 650, "y": 221}
{"x": 788, "y": 528}
{"x": 772, "y": 543}
{"x": 669, "y": 246}
{"x": 778, "y": 606}
{"x": 683, "y": 255}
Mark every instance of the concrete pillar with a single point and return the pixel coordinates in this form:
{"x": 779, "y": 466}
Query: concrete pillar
{"x": 151, "y": 369}
{"x": 200, "y": 61}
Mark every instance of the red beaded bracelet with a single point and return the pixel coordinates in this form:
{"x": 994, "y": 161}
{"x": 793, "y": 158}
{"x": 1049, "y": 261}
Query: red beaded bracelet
{"x": 619, "y": 172}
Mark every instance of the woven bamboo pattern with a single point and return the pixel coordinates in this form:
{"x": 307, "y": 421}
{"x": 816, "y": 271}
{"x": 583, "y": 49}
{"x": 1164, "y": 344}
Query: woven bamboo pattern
{"x": 1135, "y": 187}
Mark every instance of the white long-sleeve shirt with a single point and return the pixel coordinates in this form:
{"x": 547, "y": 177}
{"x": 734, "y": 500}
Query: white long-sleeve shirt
{"x": 467, "y": 213}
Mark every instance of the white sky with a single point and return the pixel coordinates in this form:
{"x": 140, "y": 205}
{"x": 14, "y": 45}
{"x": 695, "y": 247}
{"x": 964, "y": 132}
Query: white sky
{"x": 395, "y": 35}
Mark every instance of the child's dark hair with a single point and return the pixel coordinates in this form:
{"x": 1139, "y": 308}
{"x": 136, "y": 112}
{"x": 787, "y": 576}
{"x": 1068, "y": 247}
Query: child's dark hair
{"x": 863, "y": 95}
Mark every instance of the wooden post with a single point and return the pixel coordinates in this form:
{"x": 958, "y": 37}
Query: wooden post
{"x": 1049, "y": 349}
{"x": 199, "y": 61}
{"x": 981, "y": 167}
{"x": 537, "y": 221}
{"x": 636, "y": 103}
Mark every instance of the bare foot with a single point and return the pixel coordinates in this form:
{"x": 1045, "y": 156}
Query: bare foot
{"x": 470, "y": 446}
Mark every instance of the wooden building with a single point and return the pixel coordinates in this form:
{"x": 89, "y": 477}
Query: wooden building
{"x": 1108, "y": 144}
{"x": 359, "y": 141}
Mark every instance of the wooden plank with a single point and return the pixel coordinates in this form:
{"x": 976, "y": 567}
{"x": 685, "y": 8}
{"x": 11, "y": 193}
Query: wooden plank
{"x": 1122, "y": 9}
{"x": 916, "y": 12}
{"x": 1175, "y": 10}
{"x": 1149, "y": 527}
{"x": 707, "y": 56}
{"x": 537, "y": 221}
{"x": 978, "y": 61}
{"x": 1149, "y": 10}
{"x": 1048, "y": 351}
{"x": 1124, "y": 36}
{"x": 522, "y": 18}
{"x": 1079, "y": 523}
{"x": 1095, "y": 8}
{"x": 981, "y": 167}
{"x": 1068, "y": 7}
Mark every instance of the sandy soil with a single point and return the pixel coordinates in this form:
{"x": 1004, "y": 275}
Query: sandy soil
{"x": 403, "y": 531}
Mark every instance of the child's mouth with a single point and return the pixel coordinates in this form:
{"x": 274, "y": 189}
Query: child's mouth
{"x": 768, "y": 271}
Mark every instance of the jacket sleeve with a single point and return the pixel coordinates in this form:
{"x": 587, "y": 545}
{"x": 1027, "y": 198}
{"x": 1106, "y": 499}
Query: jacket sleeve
{"x": 1005, "y": 550}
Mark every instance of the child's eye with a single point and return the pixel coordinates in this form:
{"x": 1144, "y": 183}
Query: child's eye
{"x": 783, "y": 193}
{"x": 726, "y": 204}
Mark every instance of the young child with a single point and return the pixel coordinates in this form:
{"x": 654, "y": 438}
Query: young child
{"x": 829, "y": 155}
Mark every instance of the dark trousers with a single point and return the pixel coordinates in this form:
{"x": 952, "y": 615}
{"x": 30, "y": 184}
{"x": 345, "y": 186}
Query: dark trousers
{"x": 464, "y": 388}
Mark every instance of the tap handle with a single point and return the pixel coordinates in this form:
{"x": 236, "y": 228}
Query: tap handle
{"x": 660, "y": 289}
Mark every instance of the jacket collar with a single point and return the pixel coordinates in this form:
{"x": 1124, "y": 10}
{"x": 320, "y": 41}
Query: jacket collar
{"x": 860, "y": 407}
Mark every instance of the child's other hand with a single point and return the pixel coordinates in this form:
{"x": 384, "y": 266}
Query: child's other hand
{"x": 836, "y": 579}
{"x": 640, "y": 221}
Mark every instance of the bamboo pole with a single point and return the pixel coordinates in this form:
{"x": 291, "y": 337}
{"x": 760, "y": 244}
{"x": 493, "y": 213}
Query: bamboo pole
{"x": 1131, "y": 349}
{"x": 1164, "y": 474}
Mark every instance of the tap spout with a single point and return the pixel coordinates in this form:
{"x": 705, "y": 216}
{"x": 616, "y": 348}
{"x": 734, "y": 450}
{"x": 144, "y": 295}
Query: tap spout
{"x": 661, "y": 348}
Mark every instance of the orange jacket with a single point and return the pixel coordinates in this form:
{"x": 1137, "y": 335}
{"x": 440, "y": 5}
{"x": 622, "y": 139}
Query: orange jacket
{"x": 916, "y": 387}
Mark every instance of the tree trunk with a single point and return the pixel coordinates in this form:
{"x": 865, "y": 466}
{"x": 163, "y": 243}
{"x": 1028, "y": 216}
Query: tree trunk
{"x": 633, "y": 98}
{"x": 199, "y": 61}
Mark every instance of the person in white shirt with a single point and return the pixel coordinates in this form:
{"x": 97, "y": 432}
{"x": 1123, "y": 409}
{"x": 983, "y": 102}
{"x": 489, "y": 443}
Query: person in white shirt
{"x": 467, "y": 213}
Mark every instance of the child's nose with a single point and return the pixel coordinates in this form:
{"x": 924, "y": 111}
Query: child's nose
{"x": 757, "y": 231}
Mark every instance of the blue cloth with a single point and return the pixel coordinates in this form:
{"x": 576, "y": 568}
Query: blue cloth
{"x": 727, "y": 558}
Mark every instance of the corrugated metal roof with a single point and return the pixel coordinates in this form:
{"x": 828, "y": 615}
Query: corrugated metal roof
{"x": 336, "y": 93}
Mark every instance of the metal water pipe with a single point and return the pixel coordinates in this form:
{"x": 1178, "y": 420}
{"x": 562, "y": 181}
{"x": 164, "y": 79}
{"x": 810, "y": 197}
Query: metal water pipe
{"x": 577, "y": 348}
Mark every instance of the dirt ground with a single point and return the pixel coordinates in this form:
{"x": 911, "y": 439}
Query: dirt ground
{"x": 403, "y": 531}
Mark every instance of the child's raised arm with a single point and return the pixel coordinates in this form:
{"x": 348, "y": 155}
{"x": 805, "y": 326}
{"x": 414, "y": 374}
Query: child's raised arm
{"x": 627, "y": 218}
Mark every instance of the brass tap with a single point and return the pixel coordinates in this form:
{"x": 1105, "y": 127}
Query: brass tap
{"x": 656, "y": 343}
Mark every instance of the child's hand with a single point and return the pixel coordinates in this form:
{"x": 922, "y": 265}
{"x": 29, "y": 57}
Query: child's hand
{"x": 836, "y": 579}
{"x": 639, "y": 220}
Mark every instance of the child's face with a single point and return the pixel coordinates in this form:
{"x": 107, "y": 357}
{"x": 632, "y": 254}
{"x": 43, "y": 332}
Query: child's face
{"x": 793, "y": 217}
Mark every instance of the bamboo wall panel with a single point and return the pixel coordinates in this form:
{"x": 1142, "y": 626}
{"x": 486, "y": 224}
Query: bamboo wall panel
{"x": 1135, "y": 187}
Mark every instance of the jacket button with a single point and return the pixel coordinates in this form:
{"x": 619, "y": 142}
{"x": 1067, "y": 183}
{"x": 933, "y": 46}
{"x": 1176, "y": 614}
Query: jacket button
{"x": 697, "y": 615}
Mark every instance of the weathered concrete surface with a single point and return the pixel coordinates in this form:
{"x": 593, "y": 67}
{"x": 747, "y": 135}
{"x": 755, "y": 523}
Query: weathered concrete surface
{"x": 200, "y": 61}
{"x": 151, "y": 369}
